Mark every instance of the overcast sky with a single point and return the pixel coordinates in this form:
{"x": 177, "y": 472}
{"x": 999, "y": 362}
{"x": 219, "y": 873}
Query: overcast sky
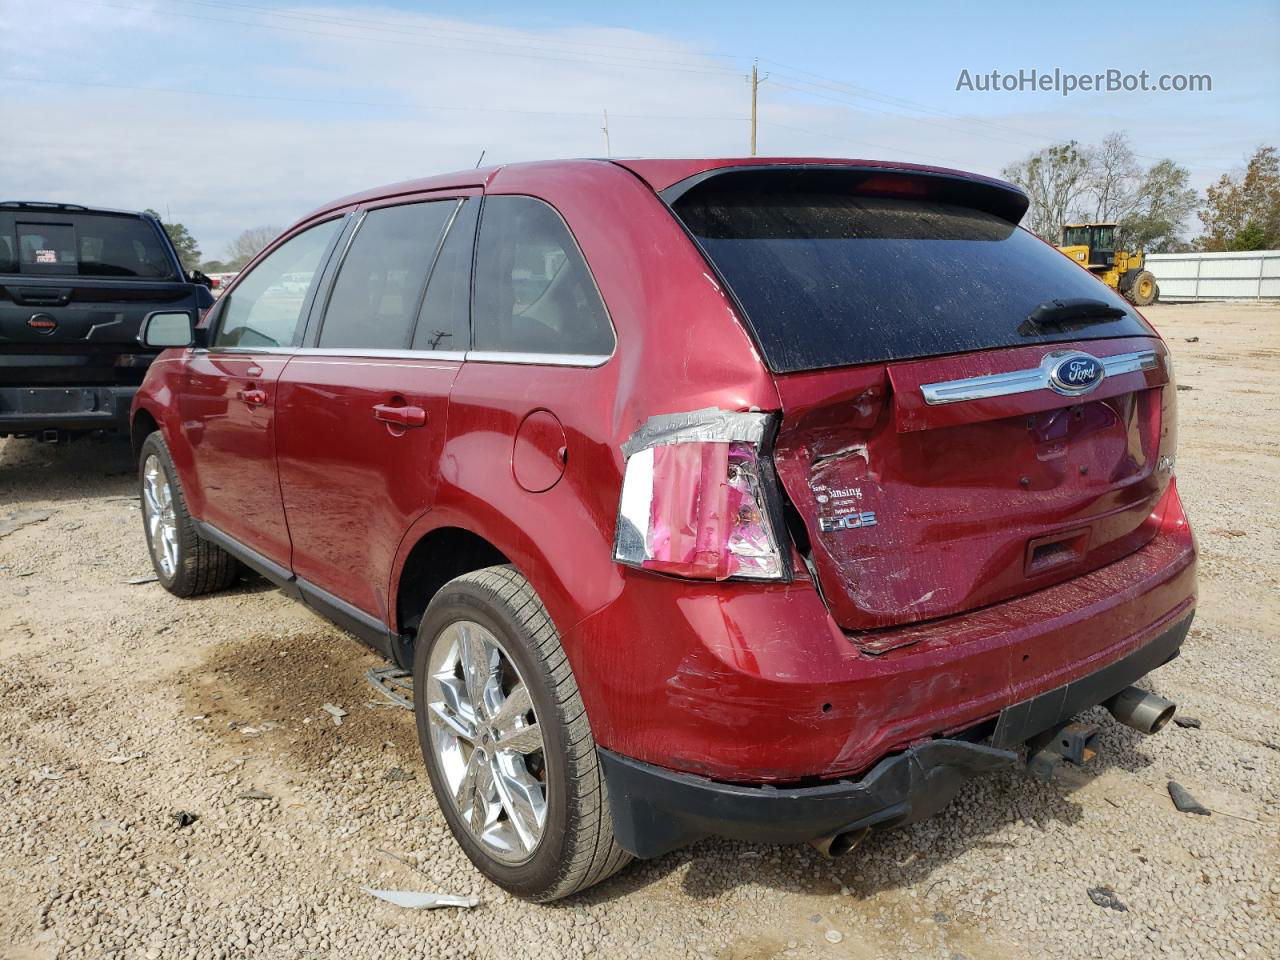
{"x": 229, "y": 115}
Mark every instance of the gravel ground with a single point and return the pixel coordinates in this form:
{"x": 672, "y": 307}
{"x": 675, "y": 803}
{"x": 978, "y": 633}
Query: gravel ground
{"x": 120, "y": 705}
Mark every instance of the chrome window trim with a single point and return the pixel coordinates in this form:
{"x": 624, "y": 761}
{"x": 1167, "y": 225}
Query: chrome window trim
{"x": 244, "y": 350}
{"x": 381, "y": 353}
{"x": 550, "y": 359}
{"x": 476, "y": 356}
{"x": 1027, "y": 381}
{"x": 540, "y": 359}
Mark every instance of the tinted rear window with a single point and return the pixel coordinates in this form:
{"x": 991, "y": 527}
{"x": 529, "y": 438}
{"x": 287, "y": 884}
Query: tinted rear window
{"x": 47, "y": 244}
{"x": 533, "y": 290}
{"x": 828, "y": 279}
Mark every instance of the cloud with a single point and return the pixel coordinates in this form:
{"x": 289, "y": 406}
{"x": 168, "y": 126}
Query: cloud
{"x": 228, "y": 116}
{"x": 314, "y": 115}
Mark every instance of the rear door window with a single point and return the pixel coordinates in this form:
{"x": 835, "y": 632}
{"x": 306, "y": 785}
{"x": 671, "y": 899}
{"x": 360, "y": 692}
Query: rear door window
{"x": 444, "y": 320}
{"x": 83, "y": 245}
{"x": 828, "y": 278}
{"x": 533, "y": 291}
{"x": 265, "y": 307}
{"x": 379, "y": 288}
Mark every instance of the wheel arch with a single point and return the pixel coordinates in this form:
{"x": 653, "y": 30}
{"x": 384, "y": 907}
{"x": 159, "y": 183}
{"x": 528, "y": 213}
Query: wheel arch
{"x": 141, "y": 426}
{"x": 435, "y": 557}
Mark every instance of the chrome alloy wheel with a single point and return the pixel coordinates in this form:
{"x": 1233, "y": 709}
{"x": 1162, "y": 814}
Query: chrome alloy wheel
{"x": 162, "y": 523}
{"x": 486, "y": 740}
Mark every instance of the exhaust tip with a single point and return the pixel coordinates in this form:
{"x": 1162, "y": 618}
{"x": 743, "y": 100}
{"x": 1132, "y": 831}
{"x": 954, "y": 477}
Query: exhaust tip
{"x": 838, "y": 844}
{"x": 1143, "y": 711}
{"x": 1163, "y": 718}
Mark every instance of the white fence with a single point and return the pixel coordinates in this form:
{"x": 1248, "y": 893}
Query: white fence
{"x": 1217, "y": 276}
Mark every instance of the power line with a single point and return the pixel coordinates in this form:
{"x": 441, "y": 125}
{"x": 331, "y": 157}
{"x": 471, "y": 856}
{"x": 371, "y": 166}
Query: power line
{"x": 479, "y": 41}
{"x": 846, "y": 102}
{"x": 451, "y": 31}
{"x": 866, "y": 143}
{"x": 367, "y": 103}
{"x": 855, "y": 91}
{"x": 868, "y": 93}
{"x": 523, "y": 53}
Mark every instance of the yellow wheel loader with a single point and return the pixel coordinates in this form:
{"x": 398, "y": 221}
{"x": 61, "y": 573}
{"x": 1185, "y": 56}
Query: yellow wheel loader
{"x": 1093, "y": 245}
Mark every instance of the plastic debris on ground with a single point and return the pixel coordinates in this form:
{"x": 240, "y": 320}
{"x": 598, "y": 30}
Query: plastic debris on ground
{"x": 334, "y": 711}
{"x": 1184, "y": 801}
{"x": 420, "y": 900}
{"x": 393, "y": 683}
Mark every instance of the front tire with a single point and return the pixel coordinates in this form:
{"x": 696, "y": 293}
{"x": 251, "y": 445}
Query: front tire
{"x": 506, "y": 740}
{"x": 185, "y": 563}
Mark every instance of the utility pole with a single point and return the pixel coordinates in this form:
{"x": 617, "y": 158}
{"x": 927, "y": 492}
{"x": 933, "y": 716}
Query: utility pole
{"x": 756, "y": 80}
{"x": 607, "y": 151}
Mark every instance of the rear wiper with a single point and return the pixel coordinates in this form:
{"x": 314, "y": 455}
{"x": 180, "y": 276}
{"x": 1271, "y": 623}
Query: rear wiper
{"x": 1079, "y": 312}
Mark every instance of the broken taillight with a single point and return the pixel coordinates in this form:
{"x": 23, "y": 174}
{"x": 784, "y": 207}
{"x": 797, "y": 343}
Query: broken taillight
{"x": 695, "y": 507}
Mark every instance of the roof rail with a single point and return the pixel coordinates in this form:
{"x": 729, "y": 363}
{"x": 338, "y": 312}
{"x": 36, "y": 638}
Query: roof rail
{"x": 40, "y": 205}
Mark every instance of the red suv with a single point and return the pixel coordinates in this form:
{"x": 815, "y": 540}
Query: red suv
{"x": 767, "y": 498}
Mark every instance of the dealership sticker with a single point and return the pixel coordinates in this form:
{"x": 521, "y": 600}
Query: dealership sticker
{"x": 46, "y": 256}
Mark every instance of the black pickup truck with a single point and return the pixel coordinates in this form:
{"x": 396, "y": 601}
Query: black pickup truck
{"x": 75, "y": 285}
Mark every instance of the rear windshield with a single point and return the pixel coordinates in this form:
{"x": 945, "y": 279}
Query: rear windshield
{"x": 55, "y": 244}
{"x": 828, "y": 279}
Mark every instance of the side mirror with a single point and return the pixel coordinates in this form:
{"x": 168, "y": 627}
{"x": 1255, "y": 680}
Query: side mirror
{"x": 167, "y": 328}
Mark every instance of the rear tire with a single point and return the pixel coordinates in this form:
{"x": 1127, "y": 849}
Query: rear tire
{"x": 185, "y": 563}
{"x": 543, "y": 829}
{"x": 1143, "y": 291}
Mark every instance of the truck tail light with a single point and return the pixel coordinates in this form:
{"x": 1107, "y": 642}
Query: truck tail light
{"x": 698, "y": 508}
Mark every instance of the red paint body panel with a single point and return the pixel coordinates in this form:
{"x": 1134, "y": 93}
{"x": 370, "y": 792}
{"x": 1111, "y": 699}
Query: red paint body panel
{"x": 739, "y": 681}
{"x": 352, "y": 483}
{"x": 232, "y": 443}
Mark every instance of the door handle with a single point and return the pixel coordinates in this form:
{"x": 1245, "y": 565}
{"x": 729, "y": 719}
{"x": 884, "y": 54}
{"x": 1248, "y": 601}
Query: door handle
{"x": 253, "y": 396}
{"x": 400, "y": 416}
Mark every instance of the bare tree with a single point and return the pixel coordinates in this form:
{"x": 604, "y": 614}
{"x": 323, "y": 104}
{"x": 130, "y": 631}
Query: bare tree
{"x": 1106, "y": 184}
{"x": 1057, "y": 180}
{"x": 1114, "y": 177}
{"x": 246, "y": 246}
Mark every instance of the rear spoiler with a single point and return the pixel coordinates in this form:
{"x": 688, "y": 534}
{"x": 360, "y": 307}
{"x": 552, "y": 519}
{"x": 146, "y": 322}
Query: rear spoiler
{"x": 996, "y": 197}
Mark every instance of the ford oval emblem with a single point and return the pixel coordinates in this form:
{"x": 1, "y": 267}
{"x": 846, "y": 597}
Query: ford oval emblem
{"x": 1073, "y": 373}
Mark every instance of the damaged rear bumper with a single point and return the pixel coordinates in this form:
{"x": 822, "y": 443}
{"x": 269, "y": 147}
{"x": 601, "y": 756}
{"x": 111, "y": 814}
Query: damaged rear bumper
{"x": 656, "y": 810}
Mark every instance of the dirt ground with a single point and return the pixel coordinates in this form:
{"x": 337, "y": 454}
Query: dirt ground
{"x": 121, "y": 705}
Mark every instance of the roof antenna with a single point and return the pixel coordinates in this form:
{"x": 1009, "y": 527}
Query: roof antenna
{"x": 480, "y": 161}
